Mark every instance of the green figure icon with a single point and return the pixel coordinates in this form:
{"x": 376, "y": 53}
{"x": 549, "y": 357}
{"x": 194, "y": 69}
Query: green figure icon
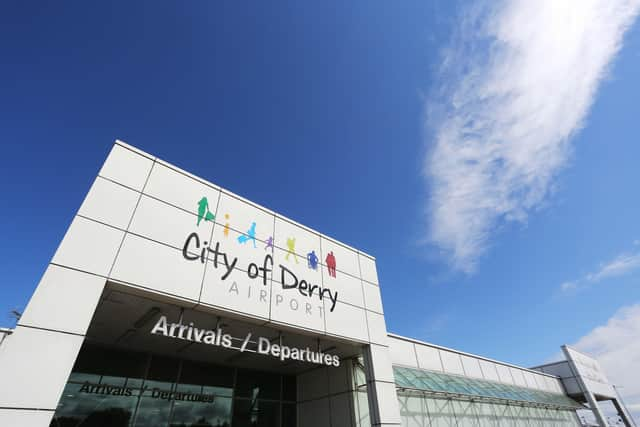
{"x": 291, "y": 244}
{"x": 204, "y": 212}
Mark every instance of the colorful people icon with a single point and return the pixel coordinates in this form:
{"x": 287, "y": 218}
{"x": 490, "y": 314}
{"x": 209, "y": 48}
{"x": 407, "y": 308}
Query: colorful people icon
{"x": 251, "y": 235}
{"x": 331, "y": 264}
{"x": 226, "y": 226}
{"x": 312, "y": 260}
{"x": 291, "y": 245}
{"x": 269, "y": 244}
{"x": 204, "y": 212}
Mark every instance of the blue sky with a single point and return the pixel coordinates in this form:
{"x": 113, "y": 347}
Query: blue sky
{"x": 354, "y": 118}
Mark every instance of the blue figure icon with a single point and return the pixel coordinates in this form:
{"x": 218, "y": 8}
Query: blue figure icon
{"x": 312, "y": 260}
{"x": 251, "y": 235}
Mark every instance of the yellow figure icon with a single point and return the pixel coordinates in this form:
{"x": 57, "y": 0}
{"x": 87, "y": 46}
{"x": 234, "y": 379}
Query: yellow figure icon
{"x": 291, "y": 244}
{"x": 226, "y": 226}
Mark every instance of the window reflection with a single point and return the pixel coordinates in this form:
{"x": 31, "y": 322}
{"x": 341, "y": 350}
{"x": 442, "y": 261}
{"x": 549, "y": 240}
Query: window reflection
{"x": 123, "y": 389}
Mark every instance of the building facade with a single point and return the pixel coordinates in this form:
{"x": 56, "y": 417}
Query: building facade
{"x": 173, "y": 302}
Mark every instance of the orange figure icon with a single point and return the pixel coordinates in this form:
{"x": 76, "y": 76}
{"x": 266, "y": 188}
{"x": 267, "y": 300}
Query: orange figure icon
{"x": 331, "y": 264}
{"x": 226, "y": 226}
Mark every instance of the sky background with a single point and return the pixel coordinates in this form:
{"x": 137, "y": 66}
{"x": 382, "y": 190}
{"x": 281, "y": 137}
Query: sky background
{"x": 484, "y": 153}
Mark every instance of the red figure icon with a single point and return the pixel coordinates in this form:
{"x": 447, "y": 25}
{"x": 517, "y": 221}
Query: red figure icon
{"x": 331, "y": 264}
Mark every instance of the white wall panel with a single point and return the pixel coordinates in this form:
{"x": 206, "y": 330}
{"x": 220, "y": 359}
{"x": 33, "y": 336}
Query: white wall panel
{"x": 387, "y": 403}
{"x": 181, "y": 190}
{"x": 25, "y": 418}
{"x": 518, "y": 377}
{"x": 372, "y": 297}
{"x": 34, "y": 367}
{"x": 347, "y": 321}
{"x": 304, "y": 240}
{"x": 346, "y": 259}
{"x": 402, "y": 353}
{"x": 89, "y": 246}
{"x": 429, "y": 358}
{"x": 381, "y": 361}
{"x": 489, "y": 370}
{"x": 451, "y": 362}
{"x": 126, "y": 167}
{"x": 368, "y": 269}
{"x": 237, "y": 292}
{"x": 243, "y": 214}
{"x": 349, "y": 288}
{"x": 471, "y": 366}
{"x": 157, "y": 267}
{"x": 377, "y": 328}
{"x": 50, "y": 305}
{"x": 163, "y": 223}
{"x": 110, "y": 203}
{"x": 504, "y": 373}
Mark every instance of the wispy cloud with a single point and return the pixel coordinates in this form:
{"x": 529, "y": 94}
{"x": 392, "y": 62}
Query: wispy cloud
{"x": 516, "y": 84}
{"x": 616, "y": 345}
{"x": 619, "y": 266}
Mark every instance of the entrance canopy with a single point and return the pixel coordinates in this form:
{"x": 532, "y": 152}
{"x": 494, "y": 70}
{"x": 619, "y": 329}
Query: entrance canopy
{"x": 139, "y": 322}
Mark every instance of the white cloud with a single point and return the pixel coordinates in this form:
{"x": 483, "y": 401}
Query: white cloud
{"x": 616, "y": 345}
{"x": 517, "y": 83}
{"x": 619, "y": 266}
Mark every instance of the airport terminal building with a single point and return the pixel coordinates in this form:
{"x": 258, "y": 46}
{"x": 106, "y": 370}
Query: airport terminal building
{"x": 173, "y": 302}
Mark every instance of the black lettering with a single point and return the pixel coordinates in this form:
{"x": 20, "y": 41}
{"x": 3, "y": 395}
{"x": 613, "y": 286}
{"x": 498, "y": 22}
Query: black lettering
{"x": 264, "y": 268}
{"x": 252, "y": 271}
{"x": 185, "y": 248}
{"x": 284, "y": 269}
{"x": 302, "y": 287}
{"x": 229, "y": 267}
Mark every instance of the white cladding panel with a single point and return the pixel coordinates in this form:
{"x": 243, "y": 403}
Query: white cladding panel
{"x": 89, "y": 246}
{"x": 402, "y": 352}
{"x": 471, "y": 366}
{"x": 451, "y": 362}
{"x": 127, "y": 167}
{"x": 428, "y": 358}
{"x": 254, "y": 261}
{"x": 109, "y": 203}
{"x": 489, "y": 370}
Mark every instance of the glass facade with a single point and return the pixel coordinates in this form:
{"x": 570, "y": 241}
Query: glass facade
{"x": 438, "y": 382}
{"x": 433, "y": 399}
{"x": 436, "y": 399}
{"x": 116, "y": 388}
{"x": 425, "y": 411}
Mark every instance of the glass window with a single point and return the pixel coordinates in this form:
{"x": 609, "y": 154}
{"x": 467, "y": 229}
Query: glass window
{"x": 218, "y": 378}
{"x": 440, "y": 413}
{"x": 289, "y": 388}
{"x": 158, "y": 393}
{"x": 289, "y": 415}
{"x": 257, "y": 385}
{"x": 255, "y": 413}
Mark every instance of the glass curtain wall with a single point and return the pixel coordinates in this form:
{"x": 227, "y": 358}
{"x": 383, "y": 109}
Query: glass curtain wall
{"x": 124, "y": 389}
{"x": 427, "y": 411}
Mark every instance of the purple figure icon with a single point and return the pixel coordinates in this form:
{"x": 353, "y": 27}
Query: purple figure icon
{"x": 269, "y": 244}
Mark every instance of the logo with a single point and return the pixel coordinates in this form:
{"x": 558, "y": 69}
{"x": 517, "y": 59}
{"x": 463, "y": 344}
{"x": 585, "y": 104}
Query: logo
{"x": 204, "y": 212}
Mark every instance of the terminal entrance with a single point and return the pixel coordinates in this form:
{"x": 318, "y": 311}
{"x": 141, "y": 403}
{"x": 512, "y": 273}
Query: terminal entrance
{"x": 126, "y": 376}
{"x": 111, "y": 387}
